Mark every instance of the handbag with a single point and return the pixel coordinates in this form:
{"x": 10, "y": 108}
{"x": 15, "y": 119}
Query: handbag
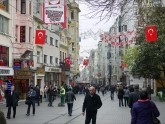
{"x": 155, "y": 120}
{"x": 27, "y": 101}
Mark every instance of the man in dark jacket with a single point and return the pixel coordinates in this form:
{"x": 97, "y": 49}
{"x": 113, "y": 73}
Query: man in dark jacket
{"x": 31, "y": 95}
{"x": 92, "y": 102}
{"x": 70, "y": 97}
{"x": 12, "y": 99}
{"x": 134, "y": 96}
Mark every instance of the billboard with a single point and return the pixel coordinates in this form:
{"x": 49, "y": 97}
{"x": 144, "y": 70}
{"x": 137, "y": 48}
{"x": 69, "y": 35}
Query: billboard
{"x": 54, "y": 11}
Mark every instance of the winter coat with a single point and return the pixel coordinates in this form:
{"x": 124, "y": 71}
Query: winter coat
{"x": 70, "y": 97}
{"x": 12, "y": 100}
{"x": 120, "y": 93}
{"x": 91, "y": 103}
{"x": 142, "y": 112}
{"x": 31, "y": 95}
{"x": 133, "y": 97}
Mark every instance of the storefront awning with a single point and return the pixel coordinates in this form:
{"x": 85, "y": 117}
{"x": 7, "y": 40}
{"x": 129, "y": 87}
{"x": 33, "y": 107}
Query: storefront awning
{"x": 26, "y": 54}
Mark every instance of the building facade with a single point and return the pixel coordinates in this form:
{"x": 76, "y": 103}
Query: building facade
{"x": 6, "y": 46}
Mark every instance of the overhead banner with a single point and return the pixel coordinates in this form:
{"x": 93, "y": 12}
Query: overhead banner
{"x": 54, "y": 12}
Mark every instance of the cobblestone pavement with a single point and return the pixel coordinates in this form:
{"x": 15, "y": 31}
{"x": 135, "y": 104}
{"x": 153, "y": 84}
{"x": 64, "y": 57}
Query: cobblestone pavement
{"x": 109, "y": 113}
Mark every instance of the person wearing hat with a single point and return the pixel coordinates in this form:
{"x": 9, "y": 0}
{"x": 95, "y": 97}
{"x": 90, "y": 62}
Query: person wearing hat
{"x": 31, "y": 95}
{"x": 69, "y": 98}
{"x": 133, "y": 96}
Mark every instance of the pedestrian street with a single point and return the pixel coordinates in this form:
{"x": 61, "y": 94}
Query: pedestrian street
{"x": 109, "y": 113}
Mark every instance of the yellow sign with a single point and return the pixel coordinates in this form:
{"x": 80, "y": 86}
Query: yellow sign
{"x": 40, "y": 71}
{"x": 3, "y": 7}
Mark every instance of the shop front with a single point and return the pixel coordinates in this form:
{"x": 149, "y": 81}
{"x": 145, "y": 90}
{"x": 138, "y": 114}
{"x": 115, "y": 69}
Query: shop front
{"x": 40, "y": 73}
{"x": 22, "y": 81}
{"x": 52, "y": 76}
{"x": 6, "y": 75}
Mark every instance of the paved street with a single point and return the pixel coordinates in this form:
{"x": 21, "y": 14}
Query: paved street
{"x": 109, "y": 113}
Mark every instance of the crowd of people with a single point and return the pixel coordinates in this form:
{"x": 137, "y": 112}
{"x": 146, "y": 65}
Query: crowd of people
{"x": 142, "y": 108}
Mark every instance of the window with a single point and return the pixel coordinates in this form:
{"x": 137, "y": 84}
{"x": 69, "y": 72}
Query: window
{"x": 4, "y": 5}
{"x": 22, "y": 34}
{"x": 60, "y": 56}
{"x": 4, "y": 56}
{"x": 16, "y": 8}
{"x": 51, "y": 59}
{"x": 23, "y": 6}
{"x": 63, "y": 55}
{"x": 38, "y": 56}
{"x": 51, "y": 41}
{"x": 124, "y": 27}
{"x": 46, "y": 39}
{"x": 56, "y": 60}
{"x": 4, "y": 24}
{"x": 38, "y": 6}
{"x": 30, "y": 34}
{"x": 73, "y": 48}
{"x": 30, "y": 8}
{"x": 16, "y": 33}
{"x": 120, "y": 28}
{"x": 45, "y": 59}
{"x": 72, "y": 15}
{"x": 56, "y": 43}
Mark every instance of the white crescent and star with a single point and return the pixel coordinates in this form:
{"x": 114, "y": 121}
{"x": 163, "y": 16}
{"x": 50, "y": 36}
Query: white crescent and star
{"x": 150, "y": 31}
{"x": 40, "y": 35}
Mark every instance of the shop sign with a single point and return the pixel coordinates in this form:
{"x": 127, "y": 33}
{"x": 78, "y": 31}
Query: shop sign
{"x": 40, "y": 71}
{"x": 17, "y": 64}
{"x": 51, "y": 69}
{"x": 2, "y": 6}
{"x": 6, "y": 71}
{"x": 23, "y": 74}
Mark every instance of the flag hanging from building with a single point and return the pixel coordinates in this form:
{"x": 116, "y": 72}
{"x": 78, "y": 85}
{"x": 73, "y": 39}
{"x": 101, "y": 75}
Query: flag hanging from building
{"x": 40, "y": 37}
{"x": 85, "y": 62}
{"x": 68, "y": 61}
{"x": 151, "y": 33}
{"x": 54, "y": 12}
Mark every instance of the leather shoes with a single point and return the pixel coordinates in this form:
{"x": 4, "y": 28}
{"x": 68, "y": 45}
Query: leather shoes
{"x": 8, "y": 117}
{"x": 27, "y": 114}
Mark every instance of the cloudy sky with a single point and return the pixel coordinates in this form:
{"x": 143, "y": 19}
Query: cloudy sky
{"x": 90, "y": 30}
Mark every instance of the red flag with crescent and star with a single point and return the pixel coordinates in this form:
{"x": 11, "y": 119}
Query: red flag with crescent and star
{"x": 151, "y": 33}
{"x": 85, "y": 62}
{"x": 68, "y": 61}
{"x": 40, "y": 37}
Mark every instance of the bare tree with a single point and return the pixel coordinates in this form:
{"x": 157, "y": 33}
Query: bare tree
{"x": 105, "y": 9}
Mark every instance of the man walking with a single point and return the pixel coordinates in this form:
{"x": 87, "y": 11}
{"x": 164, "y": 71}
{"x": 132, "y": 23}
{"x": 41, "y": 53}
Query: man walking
{"x": 31, "y": 95}
{"x": 92, "y": 102}
{"x": 12, "y": 99}
{"x": 70, "y": 97}
{"x": 133, "y": 96}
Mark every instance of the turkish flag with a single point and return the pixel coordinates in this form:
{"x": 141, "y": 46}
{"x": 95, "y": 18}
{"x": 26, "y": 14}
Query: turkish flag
{"x": 68, "y": 61}
{"x": 40, "y": 36}
{"x": 85, "y": 62}
{"x": 151, "y": 33}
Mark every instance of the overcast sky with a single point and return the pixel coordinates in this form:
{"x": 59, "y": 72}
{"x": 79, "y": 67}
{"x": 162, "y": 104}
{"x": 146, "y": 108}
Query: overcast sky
{"x": 88, "y": 26}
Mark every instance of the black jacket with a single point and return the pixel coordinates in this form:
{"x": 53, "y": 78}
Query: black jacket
{"x": 91, "y": 104}
{"x": 133, "y": 97}
{"x": 12, "y": 100}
